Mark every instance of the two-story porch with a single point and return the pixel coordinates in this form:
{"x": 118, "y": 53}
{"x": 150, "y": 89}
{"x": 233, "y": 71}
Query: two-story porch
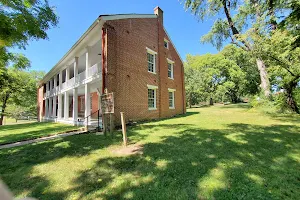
{"x": 71, "y": 95}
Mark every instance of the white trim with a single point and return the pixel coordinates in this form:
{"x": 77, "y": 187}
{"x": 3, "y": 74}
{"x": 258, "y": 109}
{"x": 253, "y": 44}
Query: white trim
{"x": 171, "y": 90}
{"x": 173, "y": 98}
{"x": 172, "y": 68}
{"x": 151, "y": 51}
{"x": 152, "y": 87}
{"x": 126, "y": 16}
{"x": 173, "y": 45}
{"x": 170, "y": 61}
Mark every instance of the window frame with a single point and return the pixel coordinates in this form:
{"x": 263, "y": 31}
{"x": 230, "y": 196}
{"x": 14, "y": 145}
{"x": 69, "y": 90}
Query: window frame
{"x": 82, "y": 104}
{"x": 173, "y": 97}
{"x": 150, "y": 51}
{"x": 166, "y": 42}
{"x": 154, "y": 88}
{"x": 171, "y": 62}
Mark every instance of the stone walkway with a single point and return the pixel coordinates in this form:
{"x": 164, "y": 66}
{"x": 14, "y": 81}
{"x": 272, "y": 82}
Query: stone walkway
{"x": 16, "y": 144}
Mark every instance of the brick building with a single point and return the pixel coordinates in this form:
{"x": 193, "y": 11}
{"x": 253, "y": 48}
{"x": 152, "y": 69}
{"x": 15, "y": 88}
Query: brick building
{"x": 130, "y": 55}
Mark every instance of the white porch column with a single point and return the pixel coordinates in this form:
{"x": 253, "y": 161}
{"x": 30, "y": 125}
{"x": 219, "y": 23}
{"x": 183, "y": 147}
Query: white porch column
{"x": 59, "y": 97}
{"x": 46, "y": 101}
{"x": 60, "y": 80}
{"x": 67, "y": 74}
{"x": 75, "y": 105}
{"x": 75, "y": 68}
{"x": 59, "y": 102}
{"x": 87, "y": 100}
{"x": 87, "y": 60}
{"x": 66, "y": 104}
{"x": 50, "y": 107}
{"x": 54, "y": 97}
{"x": 46, "y": 107}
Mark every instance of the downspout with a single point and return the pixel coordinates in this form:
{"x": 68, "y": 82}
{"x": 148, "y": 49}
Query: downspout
{"x": 104, "y": 31}
{"x": 159, "y": 75}
{"x": 183, "y": 90}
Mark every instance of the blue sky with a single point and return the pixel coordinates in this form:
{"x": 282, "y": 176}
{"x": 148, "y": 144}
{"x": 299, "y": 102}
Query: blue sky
{"x": 77, "y": 15}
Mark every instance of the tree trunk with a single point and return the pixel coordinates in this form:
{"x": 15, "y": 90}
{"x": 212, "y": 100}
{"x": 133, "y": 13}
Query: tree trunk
{"x": 290, "y": 98}
{"x": 211, "y": 102}
{"x": 265, "y": 83}
{"x": 5, "y": 98}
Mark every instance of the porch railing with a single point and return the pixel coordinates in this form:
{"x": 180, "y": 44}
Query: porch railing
{"x": 93, "y": 70}
{"x": 88, "y": 120}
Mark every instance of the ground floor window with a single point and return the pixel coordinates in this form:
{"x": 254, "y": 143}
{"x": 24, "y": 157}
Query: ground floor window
{"x": 152, "y": 97}
{"x": 171, "y": 98}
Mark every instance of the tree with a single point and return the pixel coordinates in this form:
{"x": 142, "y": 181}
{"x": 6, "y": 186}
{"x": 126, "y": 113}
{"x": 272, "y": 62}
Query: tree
{"x": 20, "y": 90}
{"x": 284, "y": 60}
{"x": 217, "y": 77}
{"x": 247, "y": 64}
{"x": 21, "y": 21}
{"x": 241, "y": 18}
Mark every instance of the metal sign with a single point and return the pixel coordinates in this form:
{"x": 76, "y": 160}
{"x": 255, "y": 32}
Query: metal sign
{"x": 107, "y": 103}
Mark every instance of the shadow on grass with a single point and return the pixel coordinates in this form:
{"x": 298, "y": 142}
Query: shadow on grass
{"x": 238, "y": 105}
{"x": 241, "y": 162}
{"x": 17, "y": 164}
{"x": 257, "y": 163}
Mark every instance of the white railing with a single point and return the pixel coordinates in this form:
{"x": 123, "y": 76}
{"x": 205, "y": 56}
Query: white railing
{"x": 71, "y": 82}
{"x": 80, "y": 77}
{"x": 93, "y": 70}
{"x": 63, "y": 86}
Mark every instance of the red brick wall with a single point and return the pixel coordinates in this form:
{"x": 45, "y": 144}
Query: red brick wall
{"x": 40, "y": 103}
{"x": 94, "y": 103}
{"x": 127, "y": 72}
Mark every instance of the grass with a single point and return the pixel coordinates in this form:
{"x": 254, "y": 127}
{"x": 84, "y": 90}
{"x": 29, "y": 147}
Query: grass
{"x": 221, "y": 152}
{"x": 26, "y": 131}
{"x": 9, "y": 121}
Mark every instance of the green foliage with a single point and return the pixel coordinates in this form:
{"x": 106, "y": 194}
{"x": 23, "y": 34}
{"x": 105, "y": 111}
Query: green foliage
{"x": 20, "y": 90}
{"x": 283, "y": 60}
{"x": 20, "y": 22}
{"x": 213, "y": 76}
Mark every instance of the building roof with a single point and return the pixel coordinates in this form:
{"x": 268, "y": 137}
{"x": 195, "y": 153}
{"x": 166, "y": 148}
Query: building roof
{"x": 99, "y": 21}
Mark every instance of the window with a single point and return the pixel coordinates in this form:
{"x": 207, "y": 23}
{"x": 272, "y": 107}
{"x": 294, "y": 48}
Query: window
{"x": 82, "y": 105}
{"x": 151, "y": 60}
{"x": 166, "y": 43}
{"x": 170, "y": 69}
{"x": 171, "y": 98}
{"x": 91, "y": 102}
{"x": 152, "y": 97}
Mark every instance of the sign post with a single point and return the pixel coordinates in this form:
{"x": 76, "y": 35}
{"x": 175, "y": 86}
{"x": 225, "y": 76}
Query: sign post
{"x": 124, "y": 129}
{"x": 107, "y": 107}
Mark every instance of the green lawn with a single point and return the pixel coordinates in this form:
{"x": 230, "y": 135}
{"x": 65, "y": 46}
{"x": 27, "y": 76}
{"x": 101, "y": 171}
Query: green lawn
{"x": 19, "y": 132}
{"x": 221, "y": 152}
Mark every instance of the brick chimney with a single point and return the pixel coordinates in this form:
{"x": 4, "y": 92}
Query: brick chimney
{"x": 159, "y": 13}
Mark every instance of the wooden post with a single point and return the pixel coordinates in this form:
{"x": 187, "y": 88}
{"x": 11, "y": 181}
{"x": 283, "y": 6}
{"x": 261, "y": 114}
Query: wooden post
{"x": 124, "y": 129}
{"x": 104, "y": 123}
{"x": 111, "y": 124}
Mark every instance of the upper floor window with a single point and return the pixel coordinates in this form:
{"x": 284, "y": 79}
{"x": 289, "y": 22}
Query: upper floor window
{"x": 170, "y": 69}
{"x": 166, "y": 43}
{"x": 151, "y": 58}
